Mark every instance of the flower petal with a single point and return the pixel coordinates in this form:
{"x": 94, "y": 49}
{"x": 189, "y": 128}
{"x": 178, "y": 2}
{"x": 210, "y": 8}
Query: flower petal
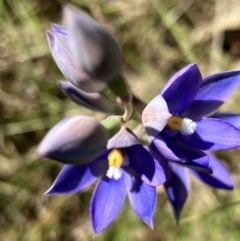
{"x": 74, "y": 140}
{"x": 58, "y": 44}
{"x": 177, "y": 188}
{"x": 95, "y": 50}
{"x": 145, "y": 165}
{"x": 168, "y": 148}
{"x": 200, "y": 164}
{"x": 232, "y": 118}
{"x": 142, "y": 197}
{"x": 196, "y": 159}
{"x": 71, "y": 179}
{"x": 107, "y": 201}
{"x": 182, "y": 88}
{"x": 124, "y": 138}
{"x": 92, "y": 101}
{"x": 59, "y": 29}
{"x": 213, "y": 134}
{"x": 215, "y": 90}
{"x": 74, "y": 178}
{"x": 155, "y": 116}
{"x": 219, "y": 179}
{"x": 161, "y": 160}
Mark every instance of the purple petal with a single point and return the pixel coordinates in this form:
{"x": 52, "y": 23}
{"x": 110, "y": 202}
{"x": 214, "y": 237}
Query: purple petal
{"x": 196, "y": 159}
{"x": 155, "y": 116}
{"x": 51, "y": 39}
{"x": 60, "y": 34}
{"x": 71, "y": 179}
{"x": 74, "y": 140}
{"x": 182, "y": 88}
{"x": 168, "y": 148}
{"x": 107, "y": 201}
{"x": 59, "y": 29}
{"x": 124, "y": 138}
{"x": 142, "y": 197}
{"x": 177, "y": 188}
{"x": 74, "y": 178}
{"x": 200, "y": 164}
{"x": 232, "y": 118}
{"x": 219, "y": 179}
{"x": 58, "y": 44}
{"x": 215, "y": 90}
{"x": 145, "y": 165}
{"x": 161, "y": 160}
{"x": 92, "y": 101}
{"x": 213, "y": 134}
{"x": 94, "y": 49}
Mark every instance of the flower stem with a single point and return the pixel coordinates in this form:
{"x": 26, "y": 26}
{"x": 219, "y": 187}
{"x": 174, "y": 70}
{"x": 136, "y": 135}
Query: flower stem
{"x": 128, "y": 111}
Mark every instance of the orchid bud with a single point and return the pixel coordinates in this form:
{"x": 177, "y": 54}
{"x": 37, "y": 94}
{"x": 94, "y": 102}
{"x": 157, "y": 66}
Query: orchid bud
{"x": 74, "y": 140}
{"x": 59, "y": 45}
{"x": 95, "y": 51}
{"x": 92, "y": 101}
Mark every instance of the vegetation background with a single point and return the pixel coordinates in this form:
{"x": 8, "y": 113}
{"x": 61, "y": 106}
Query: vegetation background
{"x": 158, "y": 37}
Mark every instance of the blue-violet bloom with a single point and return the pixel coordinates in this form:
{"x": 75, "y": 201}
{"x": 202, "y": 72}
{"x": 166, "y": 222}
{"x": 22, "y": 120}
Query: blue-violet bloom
{"x": 178, "y": 187}
{"x": 125, "y": 167}
{"x": 175, "y": 120}
{"x": 176, "y": 123}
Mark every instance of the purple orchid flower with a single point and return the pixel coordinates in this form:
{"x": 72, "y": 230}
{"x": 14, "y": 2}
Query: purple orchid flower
{"x": 178, "y": 187}
{"x": 175, "y": 120}
{"x": 180, "y": 133}
{"x": 125, "y": 167}
{"x": 85, "y": 53}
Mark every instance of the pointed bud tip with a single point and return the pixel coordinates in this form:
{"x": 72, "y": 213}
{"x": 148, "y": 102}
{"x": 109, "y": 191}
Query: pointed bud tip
{"x": 70, "y": 13}
{"x": 50, "y": 38}
{"x": 58, "y": 29}
{"x": 44, "y": 151}
{"x": 41, "y": 152}
{"x": 68, "y": 9}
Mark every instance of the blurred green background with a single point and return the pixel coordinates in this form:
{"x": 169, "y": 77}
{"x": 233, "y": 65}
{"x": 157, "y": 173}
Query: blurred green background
{"x": 158, "y": 37}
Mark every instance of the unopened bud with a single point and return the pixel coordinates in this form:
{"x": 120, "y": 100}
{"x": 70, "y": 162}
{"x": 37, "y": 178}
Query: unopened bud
{"x": 94, "y": 49}
{"x": 74, "y": 140}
